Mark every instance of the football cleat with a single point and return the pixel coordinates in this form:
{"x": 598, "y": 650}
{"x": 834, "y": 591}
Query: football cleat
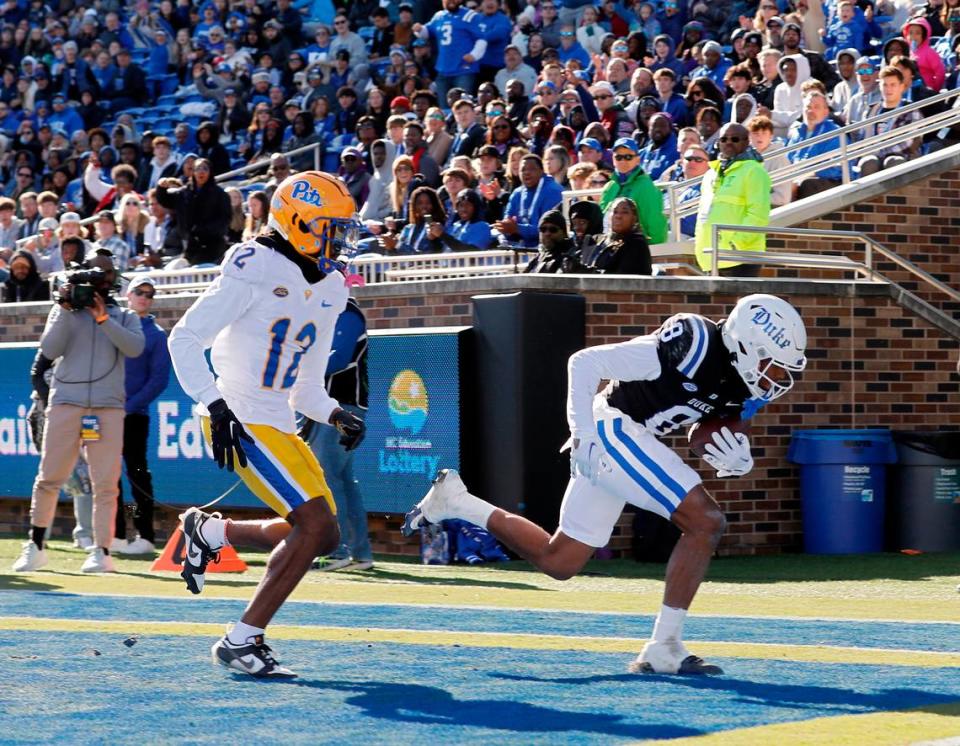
{"x": 197, "y": 552}
{"x": 438, "y": 504}
{"x": 671, "y": 658}
{"x": 253, "y": 657}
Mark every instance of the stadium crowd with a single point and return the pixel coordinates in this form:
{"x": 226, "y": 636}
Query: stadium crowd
{"x": 454, "y": 124}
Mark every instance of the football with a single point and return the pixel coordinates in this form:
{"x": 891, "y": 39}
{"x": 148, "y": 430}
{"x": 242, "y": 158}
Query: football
{"x": 702, "y": 432}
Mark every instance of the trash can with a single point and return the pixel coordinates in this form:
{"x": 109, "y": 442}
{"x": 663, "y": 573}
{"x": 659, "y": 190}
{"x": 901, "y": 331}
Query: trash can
{"x": 842, "y": 488}
{"x": 924, "y": 492}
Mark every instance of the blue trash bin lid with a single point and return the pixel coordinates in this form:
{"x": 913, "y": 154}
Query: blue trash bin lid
{"x": 867, "y": 446}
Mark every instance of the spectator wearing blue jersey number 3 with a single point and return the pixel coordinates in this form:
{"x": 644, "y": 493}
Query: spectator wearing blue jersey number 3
{"x": 457, "y": 34}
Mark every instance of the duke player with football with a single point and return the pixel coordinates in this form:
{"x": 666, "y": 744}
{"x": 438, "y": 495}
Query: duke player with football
{"x": 268, "y": 320}
{"x": 690, "y": 369}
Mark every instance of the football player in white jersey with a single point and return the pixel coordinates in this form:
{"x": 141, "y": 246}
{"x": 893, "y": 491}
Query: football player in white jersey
{"x": 691, "y": 368}
{"x": 268, "y": 320}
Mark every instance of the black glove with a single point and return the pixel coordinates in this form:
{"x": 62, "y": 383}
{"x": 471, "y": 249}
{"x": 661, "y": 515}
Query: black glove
{"x": 226, "y": 432}
{"x": 306, "y": 429}
{"x": 350, "y": 427}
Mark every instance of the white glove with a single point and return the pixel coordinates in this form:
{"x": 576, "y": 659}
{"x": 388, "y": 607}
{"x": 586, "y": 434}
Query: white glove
{"x": 729, "y": 453}
{"x": 585, "y": 452}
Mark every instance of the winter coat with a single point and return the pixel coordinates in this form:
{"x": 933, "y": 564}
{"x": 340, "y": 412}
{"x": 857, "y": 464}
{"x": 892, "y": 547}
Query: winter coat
{"x": 639, "y": 187}
{"x": 788, "y": 100}
{"x": 203, "y": 215}
{"x": 930, "y": 63}
{"x": 31, "y": 288}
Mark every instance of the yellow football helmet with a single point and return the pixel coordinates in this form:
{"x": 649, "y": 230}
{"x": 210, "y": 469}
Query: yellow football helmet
{"x": 316, "y": 214}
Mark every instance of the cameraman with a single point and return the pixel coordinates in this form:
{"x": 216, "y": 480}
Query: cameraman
{"x": 86, "y": 408}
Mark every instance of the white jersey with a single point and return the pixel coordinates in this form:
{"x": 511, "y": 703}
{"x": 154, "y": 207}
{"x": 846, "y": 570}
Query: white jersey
{"x": 269, "y": 331}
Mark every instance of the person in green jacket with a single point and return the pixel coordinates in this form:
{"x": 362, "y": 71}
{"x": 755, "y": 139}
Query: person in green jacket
{"x": 631, "y": 181}
{"x": 736, "y": 190}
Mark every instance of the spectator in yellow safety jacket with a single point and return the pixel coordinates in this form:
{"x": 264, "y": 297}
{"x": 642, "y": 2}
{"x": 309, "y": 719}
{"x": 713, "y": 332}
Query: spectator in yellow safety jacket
{"x": 735, "y": 191}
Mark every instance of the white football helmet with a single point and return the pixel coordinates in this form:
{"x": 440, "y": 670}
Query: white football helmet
{"x": 765, "y": 335}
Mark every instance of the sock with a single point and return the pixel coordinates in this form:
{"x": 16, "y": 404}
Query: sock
{"x": 214, "y": 532}
{"x": 669, "y": 624}
{"x": 242, "y": 632}
{"x": 475, "y": 510}
{"x": 36, "y": 536}
{"x": 106, "y": 551}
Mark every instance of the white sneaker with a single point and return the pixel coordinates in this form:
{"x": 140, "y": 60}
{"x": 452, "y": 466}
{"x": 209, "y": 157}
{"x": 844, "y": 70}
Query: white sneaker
{"x": 118, "y": 545}
{"x": 31, "y": 558}
{"x": 438, "y": 504}
{"x": 97, "y": 561}
{"x": 671, "y": 657}
{"x": 329, "y": 564}
{"x": 137, "y": 546}
{"x": 83, "y": 542}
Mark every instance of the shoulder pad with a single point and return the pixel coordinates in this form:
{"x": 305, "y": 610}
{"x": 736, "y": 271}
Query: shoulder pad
{"x": 246, "y": 261}
{"x": 683, "y": 341}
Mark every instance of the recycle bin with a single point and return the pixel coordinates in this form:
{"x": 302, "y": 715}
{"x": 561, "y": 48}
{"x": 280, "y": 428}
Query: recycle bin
{"x": 924, "y": 492}
{"x": 842, "y": 488}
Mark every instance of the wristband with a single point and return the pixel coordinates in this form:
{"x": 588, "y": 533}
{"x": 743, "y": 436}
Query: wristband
{"x": 101, "y": 319}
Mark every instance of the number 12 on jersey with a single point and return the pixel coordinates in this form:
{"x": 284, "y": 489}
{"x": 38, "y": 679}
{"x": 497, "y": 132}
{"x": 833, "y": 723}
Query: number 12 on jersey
{"x": 278, "y": 335}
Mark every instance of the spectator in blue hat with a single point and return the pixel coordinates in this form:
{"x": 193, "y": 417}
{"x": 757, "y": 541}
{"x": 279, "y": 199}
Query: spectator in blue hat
{"x": 630, "y": 180}
{"x": 67, "y": 118}
{"x": 868, "y": 95}
{"x": 353, "y": 172}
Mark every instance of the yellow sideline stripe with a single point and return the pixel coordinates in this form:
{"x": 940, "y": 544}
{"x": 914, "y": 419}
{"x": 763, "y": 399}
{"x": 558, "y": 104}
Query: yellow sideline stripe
{"x": 472, "y": 639}
{"x": 929, "y": 723}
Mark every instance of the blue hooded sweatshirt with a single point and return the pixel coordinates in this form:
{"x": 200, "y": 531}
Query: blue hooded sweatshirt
{"x": 148, "y": 374}
{"x": 670, "y": 61}
{"x": 657, "y": 160}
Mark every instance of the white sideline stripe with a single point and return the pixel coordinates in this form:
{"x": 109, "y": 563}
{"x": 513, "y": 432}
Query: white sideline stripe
{"x": 484, "y": 607}
{"x": 484, "y": 633}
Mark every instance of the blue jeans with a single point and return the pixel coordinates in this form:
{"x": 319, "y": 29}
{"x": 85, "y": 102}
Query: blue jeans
{"x": 466, "y": 81}
{"x": 338, "y": 468}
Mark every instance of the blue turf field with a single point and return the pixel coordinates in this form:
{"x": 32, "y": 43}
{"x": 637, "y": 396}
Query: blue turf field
{"x": 376, "y": 693}
{"x": 940, "y": 637}
{"x": 75, "y": 687}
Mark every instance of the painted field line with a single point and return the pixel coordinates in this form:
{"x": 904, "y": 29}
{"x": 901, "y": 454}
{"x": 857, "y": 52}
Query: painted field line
{"x": 523, "y": 641}
{"x": 488, "y": 607}
{"x": 877, "y": 729}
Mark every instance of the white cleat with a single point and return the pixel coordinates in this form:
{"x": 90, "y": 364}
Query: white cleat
{"x": 83, "y": 542}
{"x": 438, "y": 504}
{"x": 118, "y": 546}
{"x": 31, "y": 558}
{"x": 97, "y": 561}
{"x": 671, "y": 657}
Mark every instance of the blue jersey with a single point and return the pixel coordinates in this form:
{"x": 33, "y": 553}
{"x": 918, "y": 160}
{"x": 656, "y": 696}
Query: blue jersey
{"x": 455, "y": 34}
{"x": 496, "y": 29}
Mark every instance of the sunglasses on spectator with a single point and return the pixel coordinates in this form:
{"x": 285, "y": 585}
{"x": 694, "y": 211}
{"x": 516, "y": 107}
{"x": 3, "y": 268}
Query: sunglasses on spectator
{"x": 866, "y": 70}
{"x": 602, "y": 96}
{"x": 148, "y": 294}
{"x": 731, "y": 138}
{"x": 625, "y": 157}
{"x": 495, "y": 113}
{"x": 774, "y": 24}
{"x": 598, "y": 182}
{"x": 24, "y": 175}
{"x": 549, "y": 229}
{"x": 770, "y": 7}
{"x": 501, "y": 126}
{"x": 695, "y": 94}
{"x": 567, "y": 34}
{"x": 339, "y": 23}
{"x": 404, "y": 168}
{"x": 695, "y": 159}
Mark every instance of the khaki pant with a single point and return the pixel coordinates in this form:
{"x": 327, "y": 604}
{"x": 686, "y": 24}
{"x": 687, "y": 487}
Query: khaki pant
{"x": 61, "y": 446}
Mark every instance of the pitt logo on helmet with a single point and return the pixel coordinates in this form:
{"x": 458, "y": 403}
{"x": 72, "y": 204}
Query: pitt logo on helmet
{"x": 303, "y": 192}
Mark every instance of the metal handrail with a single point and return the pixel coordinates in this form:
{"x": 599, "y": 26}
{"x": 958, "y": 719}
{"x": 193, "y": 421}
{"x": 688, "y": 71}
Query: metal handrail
{"x": 866, "y": 267}
{"x": 850, "y": 149}
{"x": 316, "y": 147}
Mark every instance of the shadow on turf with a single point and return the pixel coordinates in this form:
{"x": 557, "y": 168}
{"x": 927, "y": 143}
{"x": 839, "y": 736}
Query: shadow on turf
{"x": 795, "y": 696}
{"x": 416, "y": 703}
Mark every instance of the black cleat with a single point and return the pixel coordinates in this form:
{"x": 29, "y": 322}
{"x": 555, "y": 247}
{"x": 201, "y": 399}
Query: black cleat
{"x": 253, "y": 657}
{"x": 197, "y": 552}
{"x": 698, "y": 666}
